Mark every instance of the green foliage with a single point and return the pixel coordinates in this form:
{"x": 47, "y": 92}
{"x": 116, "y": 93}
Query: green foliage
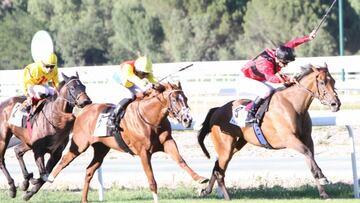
{"x": 272, "y": 23}
{"x": 16, "y": 32}
{"x": 135, "y": 31}
{"x": 96, "y": 32}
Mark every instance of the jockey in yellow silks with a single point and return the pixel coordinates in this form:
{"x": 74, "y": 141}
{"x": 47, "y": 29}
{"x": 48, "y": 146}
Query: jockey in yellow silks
{"x": 134, "y": 77}
{"x": 36, "y": 78}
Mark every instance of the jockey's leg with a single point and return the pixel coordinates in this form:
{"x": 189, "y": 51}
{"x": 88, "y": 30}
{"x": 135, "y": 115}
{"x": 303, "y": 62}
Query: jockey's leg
{"x": 252, "y": 111}
{"x": 118, "y": 113}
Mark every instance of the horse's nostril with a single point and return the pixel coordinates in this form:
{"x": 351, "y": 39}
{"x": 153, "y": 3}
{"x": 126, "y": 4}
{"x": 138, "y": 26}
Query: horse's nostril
{"x": 186, "y": 120}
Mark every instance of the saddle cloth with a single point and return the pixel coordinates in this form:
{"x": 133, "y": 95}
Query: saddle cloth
{"x": 239, "y": 115}
{"x": 17, "y": 116}
{"x": 101, "y": 129}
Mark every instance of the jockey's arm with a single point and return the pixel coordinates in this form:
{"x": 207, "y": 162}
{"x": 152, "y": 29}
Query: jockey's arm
{"x": 27, "y": 79}
{"x": 55, "y": 78}
{"x": 134, "y": 78}
{"x": 298, "y": 41}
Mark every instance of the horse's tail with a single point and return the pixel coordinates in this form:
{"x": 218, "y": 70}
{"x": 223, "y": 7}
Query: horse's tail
{"x": 205, "y": 129}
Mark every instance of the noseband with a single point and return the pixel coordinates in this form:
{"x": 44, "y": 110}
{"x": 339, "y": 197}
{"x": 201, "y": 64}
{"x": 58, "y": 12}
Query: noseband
{"x": 320, "y": 89}
{"x": 177, "y": 113}
{"x": 73, "y": 97}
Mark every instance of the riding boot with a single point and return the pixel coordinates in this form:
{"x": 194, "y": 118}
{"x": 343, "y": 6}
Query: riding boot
{"x": 251, "y": 118}
{"x": 119, "y": 111}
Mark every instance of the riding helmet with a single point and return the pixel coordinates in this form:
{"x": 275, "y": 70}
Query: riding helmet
{"x": 143, "y": 64}
{"x": 285, "y": 53}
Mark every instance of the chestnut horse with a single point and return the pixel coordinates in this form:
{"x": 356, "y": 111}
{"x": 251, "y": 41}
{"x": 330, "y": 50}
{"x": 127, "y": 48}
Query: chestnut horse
{"x": 286, "y": 124}
{"x": 146, "y": 130}
{"x": 49, "y": 134}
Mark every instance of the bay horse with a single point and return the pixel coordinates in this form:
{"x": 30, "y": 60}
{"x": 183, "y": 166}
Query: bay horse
{"x": 286, "y": 124}
{"x": 146, "y": 130}
{"x": 49, "y": 132}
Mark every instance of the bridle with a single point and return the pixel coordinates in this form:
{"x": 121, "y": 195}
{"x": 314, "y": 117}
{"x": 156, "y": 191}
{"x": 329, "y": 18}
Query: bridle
{"x": 171, "y": 109}
{"x": 73, "y": 97}
{"x": 321, "y": 94}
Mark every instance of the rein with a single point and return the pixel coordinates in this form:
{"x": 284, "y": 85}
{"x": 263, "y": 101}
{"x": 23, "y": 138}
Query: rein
{"x": 65, "y": 99}
{"x": 170, "y": 109}
{"x": 73, "y": 97}
{"x": 315, "y": 95}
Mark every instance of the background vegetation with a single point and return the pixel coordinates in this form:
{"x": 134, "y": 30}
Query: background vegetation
{"x": 98, "y": 32}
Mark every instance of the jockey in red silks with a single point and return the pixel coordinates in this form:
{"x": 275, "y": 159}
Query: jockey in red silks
{"x": 262, "y": 74}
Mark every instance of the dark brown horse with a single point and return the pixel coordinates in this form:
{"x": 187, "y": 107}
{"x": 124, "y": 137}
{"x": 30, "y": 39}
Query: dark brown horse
{"x": 50, "y": 131}
{"x": 146, "y": 130}
{"x": 286, "y": 124}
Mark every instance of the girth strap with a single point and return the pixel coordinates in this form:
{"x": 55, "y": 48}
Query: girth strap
{"x": 122, "y": 143}
{"x": 260, "y": 136}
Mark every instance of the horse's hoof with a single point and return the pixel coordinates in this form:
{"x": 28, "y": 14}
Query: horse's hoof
{"x": 202, "y": 192}
{"x": 25, "y": 185}
{"x": 12, "y": 192}
{"x": 203, "y": 180}
{"x": 27, "y": 196}
{"x": 50, "y": 179}
{"x": 324, "y": 181}
{"x": 35, "y": 181}
{"x": 325, "y": 196}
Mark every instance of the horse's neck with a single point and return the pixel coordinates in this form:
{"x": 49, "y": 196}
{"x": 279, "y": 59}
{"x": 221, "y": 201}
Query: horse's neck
{"x": 299, "y": 97}
{"x": 152, "y": 109}
{"x": 60, "y": 105}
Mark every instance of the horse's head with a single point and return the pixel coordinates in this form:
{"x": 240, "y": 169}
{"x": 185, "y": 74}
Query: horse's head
{"x": 177, "y": 103}
{"x": 73, "y": 91}
{"x": 324, "y": 87}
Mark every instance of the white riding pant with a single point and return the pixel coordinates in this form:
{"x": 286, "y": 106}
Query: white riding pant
{"x": 253, "y": 87}
{"x": 123, "y": 91}
{"x": 36, "y": 91}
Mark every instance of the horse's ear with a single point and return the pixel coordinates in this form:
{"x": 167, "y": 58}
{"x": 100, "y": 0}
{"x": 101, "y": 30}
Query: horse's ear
{"x": 325, "y": 65}
{"x": 179, "y": 84}
{"x": 65, "y": 77}
{"x": 315, "y": 68}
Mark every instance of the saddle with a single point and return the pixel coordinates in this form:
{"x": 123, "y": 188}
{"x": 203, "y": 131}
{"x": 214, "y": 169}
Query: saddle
{"x": 117, "y": 132}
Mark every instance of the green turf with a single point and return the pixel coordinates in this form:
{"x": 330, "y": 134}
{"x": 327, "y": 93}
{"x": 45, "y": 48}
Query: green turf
{"x": 340, "y": 192}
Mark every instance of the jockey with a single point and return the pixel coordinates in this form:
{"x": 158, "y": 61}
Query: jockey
{"x": 36, "y": 77}
{"x": 262, "y": 73}
{"x": 135, "y": 77}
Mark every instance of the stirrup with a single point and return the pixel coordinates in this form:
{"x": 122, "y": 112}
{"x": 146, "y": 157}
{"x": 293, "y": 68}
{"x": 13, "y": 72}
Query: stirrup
{"x": 250, "y": 120}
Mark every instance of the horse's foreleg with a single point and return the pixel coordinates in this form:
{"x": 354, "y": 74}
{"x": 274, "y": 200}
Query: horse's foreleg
{"x": 100, "y": 151}
{"x": 54, "y": 159}
{"x": 20, "y": 150}
{"x": 307, "y": 150}
{"x": 76, "y": 148}
{"x": 12, "y": 188}
{"x": 171, "y": 149}
{"x": 39, "y": 159}
{"x": 145, "y": 157}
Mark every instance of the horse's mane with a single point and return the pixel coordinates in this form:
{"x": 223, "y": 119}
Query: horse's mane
{"x": 158, "y": 87}
{"x": 305, "y": 70}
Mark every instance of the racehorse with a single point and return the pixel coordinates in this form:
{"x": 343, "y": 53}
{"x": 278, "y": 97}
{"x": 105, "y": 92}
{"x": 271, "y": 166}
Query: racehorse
{"x": 48, "y": 134}
{"x": 286, "y": 124}
{"x": 146, "y": 130}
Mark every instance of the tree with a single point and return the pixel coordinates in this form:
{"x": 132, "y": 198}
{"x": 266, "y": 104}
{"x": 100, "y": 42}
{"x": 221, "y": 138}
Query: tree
{"x": 135, "y": 30}
{"x": 80, "y": 29}
{"x": 16, "y": 31}
{"x": 272, "y": 23}
{"x": 198, "y": 30}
